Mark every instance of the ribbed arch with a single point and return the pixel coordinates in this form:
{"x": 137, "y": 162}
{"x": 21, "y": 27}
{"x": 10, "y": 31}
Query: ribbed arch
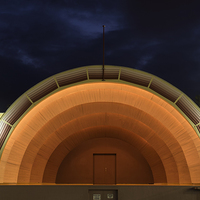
{"x": 130, "y": 124}
{"x": 131, "y": 108}
{"x": 100, "y": 132}
{"x": 105, "y": 108}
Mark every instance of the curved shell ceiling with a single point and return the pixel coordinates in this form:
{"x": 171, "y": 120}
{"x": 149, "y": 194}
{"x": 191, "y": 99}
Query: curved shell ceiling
{"x": 63, "y": 111}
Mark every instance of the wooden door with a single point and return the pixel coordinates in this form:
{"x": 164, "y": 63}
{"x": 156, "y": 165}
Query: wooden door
{"x": 104, "y": 169}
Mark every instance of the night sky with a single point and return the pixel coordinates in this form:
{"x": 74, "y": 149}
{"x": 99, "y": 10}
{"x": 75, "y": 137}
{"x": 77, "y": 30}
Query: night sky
{"x": 41, "y": 38}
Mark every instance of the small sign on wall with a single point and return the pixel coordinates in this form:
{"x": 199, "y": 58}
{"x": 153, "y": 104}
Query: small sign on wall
{"x": 109, "y": 196}
{"x": 103, "y": 194}
{"x": 96, "y": 196}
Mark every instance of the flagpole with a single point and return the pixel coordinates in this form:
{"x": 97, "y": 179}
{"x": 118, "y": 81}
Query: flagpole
{"x": 103, "y": 52}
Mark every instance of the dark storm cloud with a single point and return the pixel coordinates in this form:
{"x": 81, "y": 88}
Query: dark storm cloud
{"x": 16, "y": 79}
{"x": 169, "y": 35}
{"x": 41, "y": 38}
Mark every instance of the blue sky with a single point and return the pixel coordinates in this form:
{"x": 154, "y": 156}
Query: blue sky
{"x": 42, "y": 38}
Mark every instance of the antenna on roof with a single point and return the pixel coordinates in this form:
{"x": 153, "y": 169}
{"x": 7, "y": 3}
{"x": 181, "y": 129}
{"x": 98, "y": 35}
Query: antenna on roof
{"x": 103, "y": 53}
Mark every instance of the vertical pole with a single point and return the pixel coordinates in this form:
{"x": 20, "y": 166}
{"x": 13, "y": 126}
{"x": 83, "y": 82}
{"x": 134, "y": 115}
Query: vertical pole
{"x": 103, "y": 52}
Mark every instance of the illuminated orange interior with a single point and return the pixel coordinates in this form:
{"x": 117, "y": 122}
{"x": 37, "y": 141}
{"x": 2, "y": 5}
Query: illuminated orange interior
{"x": 66, "y": 119}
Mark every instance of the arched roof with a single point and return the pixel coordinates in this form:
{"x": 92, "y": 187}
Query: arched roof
{"x": 59, "y": 113}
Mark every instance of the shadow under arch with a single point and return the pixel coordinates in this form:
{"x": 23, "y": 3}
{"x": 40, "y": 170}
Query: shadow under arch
{"x": 128, "y": 137}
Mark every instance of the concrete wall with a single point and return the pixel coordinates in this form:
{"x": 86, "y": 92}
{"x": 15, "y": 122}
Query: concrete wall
{"x": 66, "y": 192}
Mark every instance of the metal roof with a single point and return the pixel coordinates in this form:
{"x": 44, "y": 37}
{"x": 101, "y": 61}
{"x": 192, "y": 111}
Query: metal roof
{"x": 90, "y": 74}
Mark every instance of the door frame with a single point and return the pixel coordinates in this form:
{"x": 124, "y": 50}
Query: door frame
{"x": 115, "y": 166}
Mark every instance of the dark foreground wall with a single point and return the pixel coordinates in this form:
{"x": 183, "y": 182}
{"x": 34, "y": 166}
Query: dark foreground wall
{"x": 66, "y": 192}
